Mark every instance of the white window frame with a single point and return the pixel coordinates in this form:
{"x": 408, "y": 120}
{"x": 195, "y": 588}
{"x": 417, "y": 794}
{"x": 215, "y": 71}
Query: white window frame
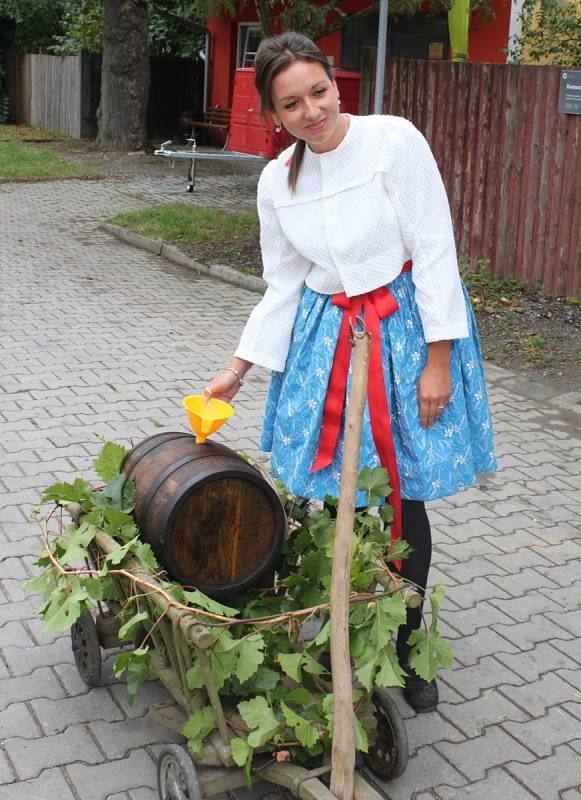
{"x": 243, "y": 31}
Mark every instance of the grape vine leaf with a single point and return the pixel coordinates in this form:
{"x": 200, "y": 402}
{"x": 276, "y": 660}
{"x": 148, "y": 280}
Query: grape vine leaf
{"x": 136, "y": 664}
{"x": 306, "y": 732}
{"x": 118, "y": 524}
{"x": 198, "y": 598}
{"x": 198, "y": 726}
{"x": 250, "y": 656}
{"x": 429, "y": 652}
{"x": 361, "y": 740}
{"x": 62, "y": 493}
{"x": 291, "y": 664}
{"x": 119, "y": 493}
{"x": 241, "y": 750}
{"x": 77, "y": 541}
{"x": 127, "y": 631}
{"x": 260, "y": 718}
{"x": 108, "y": 463}
{"x": 375, "y": 481}
{"x": 390, "y": 673}
{"x": 65, "y": 607}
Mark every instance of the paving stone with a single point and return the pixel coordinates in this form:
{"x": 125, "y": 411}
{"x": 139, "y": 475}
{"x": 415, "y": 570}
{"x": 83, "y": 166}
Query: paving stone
{"x": 571, "y": 621}
{"x": 468, "y": 595}
{"x": 31, "y": 756}
{"x": 24, "y": 660}
{"x": 496, "y": 784}
{"x": 570, "y": 648}
{"x": 468, "y": 650}
{"x": 50, "y": 785}
{"x": 484, "y": 615}
{"x": 117, "y": 738}
{"x": 40, "y": 683}
{"x": 99, "y": 781}
{"x": 471, "y": 681}
{"x": 55, "y": 717}
{"x": 537, "y": 629}
{"x": 522, "y": 610}
{"x": 473, "y": 716}
{"x": 550, "y": 775}
{"x": 475, "y": 756}
{"x": 543, "y": 734}
{"x": 148, "y": 694}
{"x": 423, "y": 729}
{"x": 544, "y": 658}
{"x": 537, "y": 697}
{"x": 16, "y": 720}
{"x": 14, "y": 633}
{"x": 425, "y": 769}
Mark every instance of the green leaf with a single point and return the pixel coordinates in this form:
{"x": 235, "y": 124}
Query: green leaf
{"x": 375, "y": 481}
{"x": 198, "y": 726}
{"x": 398, "y": 551}
{"x": 136, "y": 664}
{"x": 315, "y": 566}
{"x": 201, "y": 600}
{"x": 291, "y": 664}
{"x": 260, "y": 718}
{"x": 436, "y": 598}
{"x": 366, "y": 671}
{"x": 299, "y": 697}
{"x": 77, "y": 541}
{"x": 94, "y": 588}
{"x": 66, "y": 605}
{"x": 312, "y": 666}
{"x": 127, "y": 631}
{"x": 117, "y": 556}
{"x": 118, "y": 524}
{"x": 390, "y": 613}
{"x": 390, "y": 673}
{"x": 62, "y": 493}
{"x": 119, "y": 493}
{"x": 108, "y": 462}
{"x": 265, "y": 680}
{"x": 323, "y": 636}
{"x": 306, "y": 732}
{"x": 44, "y": 584}
{"x": 241, "y": 750}
{"x": 194, "y": 676}
{"x": 250, "y": 656}
{"x": 361, "y": 741}
{"x": 429, "y": 652}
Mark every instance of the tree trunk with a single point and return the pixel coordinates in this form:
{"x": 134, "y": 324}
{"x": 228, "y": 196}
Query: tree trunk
{"x": 122, "y": 114}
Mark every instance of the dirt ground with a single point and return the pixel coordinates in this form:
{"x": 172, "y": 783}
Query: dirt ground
{"x": 520, "y": 329}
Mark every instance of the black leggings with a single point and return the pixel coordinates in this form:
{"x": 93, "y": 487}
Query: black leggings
{"x": 416, "y": 531}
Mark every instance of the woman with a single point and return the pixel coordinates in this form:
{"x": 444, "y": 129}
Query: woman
{"x": 355, "y": 215}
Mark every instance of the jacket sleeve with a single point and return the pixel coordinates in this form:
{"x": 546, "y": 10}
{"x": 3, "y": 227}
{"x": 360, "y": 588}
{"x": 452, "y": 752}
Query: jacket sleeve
{"x": 421, "y": 204}
{"x": 266, "y": 336}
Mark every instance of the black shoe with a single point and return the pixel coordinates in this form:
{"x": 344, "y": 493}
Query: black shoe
{"x": 421, "y": 695}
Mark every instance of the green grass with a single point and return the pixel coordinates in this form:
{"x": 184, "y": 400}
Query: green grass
{"x": 21, "y": 163}
{"x": 24, "y": 133}
{"x": 178, "y": 222}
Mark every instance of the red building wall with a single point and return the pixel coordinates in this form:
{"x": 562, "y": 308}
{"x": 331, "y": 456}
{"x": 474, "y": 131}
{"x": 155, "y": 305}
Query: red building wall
{"x": 487, "y": 39}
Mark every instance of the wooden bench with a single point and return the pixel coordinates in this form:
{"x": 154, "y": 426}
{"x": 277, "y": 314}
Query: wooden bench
{"x": 214, "y": 119}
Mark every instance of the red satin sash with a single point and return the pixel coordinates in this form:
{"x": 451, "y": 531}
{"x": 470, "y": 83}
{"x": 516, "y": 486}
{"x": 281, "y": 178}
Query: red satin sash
{"x": 376, "y": 305}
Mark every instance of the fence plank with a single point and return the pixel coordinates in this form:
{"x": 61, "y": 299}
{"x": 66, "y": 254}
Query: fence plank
{"x": 510, "y": 161}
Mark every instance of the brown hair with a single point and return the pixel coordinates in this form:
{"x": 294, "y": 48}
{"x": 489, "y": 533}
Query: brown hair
{"x": 274, "y": 55}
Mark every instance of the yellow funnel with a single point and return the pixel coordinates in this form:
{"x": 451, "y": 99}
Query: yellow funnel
{"x": 206, "y": 418}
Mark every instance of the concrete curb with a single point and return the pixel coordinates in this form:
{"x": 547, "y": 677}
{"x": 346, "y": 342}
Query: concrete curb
{"x": 250, "y": 282}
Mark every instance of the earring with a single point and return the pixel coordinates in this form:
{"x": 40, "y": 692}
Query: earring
{"x": 339, "y": 100}
{"x": 278, "y": 128}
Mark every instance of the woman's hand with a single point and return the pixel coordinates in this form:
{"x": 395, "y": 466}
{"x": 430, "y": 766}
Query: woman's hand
{"x": 435, "y": 383}
{"x": 225, "y": 385}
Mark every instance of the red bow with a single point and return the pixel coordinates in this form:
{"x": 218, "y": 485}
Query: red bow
{"x": 376, "y": 305}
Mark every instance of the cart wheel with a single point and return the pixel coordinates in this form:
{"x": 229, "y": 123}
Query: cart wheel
{"x": 176, "y": 775}
{"x": 388, "y": 756}
{"x": 86, "y": 649}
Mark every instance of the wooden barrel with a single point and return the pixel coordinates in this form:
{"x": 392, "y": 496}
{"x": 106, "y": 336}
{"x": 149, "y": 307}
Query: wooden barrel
{"x": 212, "y": 520}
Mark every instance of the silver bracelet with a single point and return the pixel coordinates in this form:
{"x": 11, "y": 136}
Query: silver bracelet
{"x": 238, "y": 375}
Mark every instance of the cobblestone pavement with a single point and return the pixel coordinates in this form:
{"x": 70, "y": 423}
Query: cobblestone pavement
{"x": 100, "y": 340}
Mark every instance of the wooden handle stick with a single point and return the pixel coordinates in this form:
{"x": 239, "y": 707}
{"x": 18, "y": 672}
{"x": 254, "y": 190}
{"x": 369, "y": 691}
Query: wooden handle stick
{"x": 343, "y": 752}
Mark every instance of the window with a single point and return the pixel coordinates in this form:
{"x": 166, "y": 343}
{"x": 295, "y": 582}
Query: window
{"x": 249, "y": 37}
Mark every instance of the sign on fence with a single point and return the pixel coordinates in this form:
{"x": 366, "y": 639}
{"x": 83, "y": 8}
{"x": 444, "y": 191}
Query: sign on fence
{"x": 570, "y": 94}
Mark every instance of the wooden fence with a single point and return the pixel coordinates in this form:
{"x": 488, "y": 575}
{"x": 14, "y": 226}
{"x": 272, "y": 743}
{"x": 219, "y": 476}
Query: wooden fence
{"x": 510, "y": 161}
{"x": 62, "y": 93}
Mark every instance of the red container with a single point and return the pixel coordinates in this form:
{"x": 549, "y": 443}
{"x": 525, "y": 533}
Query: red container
{"x": 249, "y": 133}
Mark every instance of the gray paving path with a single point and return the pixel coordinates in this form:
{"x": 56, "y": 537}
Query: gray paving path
{"x": 100, "y": 340}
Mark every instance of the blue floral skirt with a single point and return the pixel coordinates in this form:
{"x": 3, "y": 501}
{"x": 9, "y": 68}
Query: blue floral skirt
{"x": 433, "y": 462}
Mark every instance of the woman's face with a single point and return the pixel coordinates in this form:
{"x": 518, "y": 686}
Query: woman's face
{"x": 306, "y": 102}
